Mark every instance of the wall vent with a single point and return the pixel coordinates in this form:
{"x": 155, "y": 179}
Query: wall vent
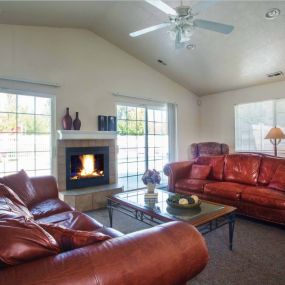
{"x": 161, "y": 62}
{"x": 275, "y": 74}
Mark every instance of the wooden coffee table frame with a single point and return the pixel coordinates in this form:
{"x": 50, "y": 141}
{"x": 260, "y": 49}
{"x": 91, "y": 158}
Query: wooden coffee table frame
{"x": 205, "y": 224}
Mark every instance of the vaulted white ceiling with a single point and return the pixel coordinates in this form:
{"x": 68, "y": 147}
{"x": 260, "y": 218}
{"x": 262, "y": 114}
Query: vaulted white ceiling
{"x": 220, "y": 62}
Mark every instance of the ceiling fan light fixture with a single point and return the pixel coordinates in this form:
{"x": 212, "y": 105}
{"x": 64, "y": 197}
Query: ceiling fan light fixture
{"x": 172, "y": 33}
{"x": 178, "y": 37}
{"x": 185, "y": 34}
{"x": 184, "y": 37}
{"x": 272, "y": 13}
{"x": 188, "y": 28}
{"x": 183, "y": 22}
{"x": 181, "y": 33}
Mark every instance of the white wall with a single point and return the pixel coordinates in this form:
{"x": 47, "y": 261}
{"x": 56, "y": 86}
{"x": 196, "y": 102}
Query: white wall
{"x": 217, "y": 110}
{"x": 89, "y": 69}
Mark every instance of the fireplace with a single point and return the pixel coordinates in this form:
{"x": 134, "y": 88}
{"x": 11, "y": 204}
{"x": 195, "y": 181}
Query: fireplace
{"x": 86, "y": 166}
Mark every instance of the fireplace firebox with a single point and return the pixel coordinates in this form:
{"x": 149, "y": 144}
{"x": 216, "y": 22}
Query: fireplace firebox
{"x": 86, "y": 167}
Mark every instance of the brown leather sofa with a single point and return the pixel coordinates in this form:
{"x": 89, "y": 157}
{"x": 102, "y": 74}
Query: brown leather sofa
{"x": 147, "y": 257}
{"x": 253, "y": 183}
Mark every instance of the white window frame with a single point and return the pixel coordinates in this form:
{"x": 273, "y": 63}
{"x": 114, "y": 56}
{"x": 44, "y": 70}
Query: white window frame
{"x": 146, "y": 107}
{"x": 274, "y": 123}
{"x": 52, "y": 117}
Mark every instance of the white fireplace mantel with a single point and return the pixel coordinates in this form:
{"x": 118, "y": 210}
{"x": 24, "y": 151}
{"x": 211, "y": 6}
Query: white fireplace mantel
{"x": 85, "y": 135}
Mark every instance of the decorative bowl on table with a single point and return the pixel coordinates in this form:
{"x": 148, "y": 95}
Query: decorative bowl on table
{"x": 183, "y": 201}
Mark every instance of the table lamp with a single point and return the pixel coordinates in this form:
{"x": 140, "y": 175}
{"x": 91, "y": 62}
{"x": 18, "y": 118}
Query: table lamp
{"x": 275, "y": 135}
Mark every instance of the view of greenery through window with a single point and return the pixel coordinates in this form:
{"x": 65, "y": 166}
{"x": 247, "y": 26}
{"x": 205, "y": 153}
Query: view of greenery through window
{"x": 143, "y": 143}
{"x": 252, "y": 123}
{"x": 25, "y": 134}
{"x": 136, "y": 118}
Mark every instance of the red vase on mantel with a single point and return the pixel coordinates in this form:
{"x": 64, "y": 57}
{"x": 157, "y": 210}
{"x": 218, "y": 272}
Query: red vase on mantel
{"x": 67, "y": 121}
{"x": 76, "y": 122}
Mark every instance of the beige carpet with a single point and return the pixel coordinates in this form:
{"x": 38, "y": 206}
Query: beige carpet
{"x": 258, "y": 257}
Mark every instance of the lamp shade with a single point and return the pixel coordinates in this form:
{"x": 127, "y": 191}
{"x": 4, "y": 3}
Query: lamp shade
{"x": 275, "y": 133}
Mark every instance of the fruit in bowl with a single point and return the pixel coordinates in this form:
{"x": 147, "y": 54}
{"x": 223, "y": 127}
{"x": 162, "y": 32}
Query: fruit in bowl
{"x": 183, "y": 201}
{"x": 195, "y": 198}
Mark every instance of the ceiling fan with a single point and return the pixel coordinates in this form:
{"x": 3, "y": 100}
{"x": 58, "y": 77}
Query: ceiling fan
{"x": 182, "y": 22}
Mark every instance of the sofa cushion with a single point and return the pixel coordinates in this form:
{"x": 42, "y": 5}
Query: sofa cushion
{"x": 242, "y": 168}
{"x": 11, "y": 211}
{"x": 69, "y": 239}
{"x": 49, "y": 207}
{"x": 278, "y": 179}
{"x": 194, "y": 185}
{"x": 20, "y": 183}
{"x": 228, "y": 190}
{"x": 264, "y": 196}
{"x": 23, "y": 240}
{"x": 268, "y": 167}
{"x": 216, "y": 163}
{"x": 199, "y": 171}
{"x": 73, "y": 220}
{"x": 11, "y": 205}
{"x": 79, "y": 221}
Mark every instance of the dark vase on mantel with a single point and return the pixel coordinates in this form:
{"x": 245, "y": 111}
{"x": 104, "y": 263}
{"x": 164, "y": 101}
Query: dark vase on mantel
{"x": 76, "y": 122}
{"x": 67, "y": 121}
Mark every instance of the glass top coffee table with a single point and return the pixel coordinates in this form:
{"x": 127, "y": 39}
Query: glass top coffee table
{"x": 207, "y": 217}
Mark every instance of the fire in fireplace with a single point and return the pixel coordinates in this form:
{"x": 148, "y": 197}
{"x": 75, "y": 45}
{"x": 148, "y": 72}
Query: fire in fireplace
{"x": 87, "y": 166}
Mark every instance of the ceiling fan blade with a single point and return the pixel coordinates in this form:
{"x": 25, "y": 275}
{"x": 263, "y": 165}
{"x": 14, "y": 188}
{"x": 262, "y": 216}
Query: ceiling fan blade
{"x": 213, "y": 26}
{"x": 162, "y": 7}
{"x": 149, "y": 29}
{"x": 203, "y": 5}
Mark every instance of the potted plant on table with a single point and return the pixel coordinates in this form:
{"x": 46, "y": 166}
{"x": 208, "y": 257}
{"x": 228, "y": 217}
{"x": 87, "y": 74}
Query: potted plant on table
{"x": 150, "y": 179}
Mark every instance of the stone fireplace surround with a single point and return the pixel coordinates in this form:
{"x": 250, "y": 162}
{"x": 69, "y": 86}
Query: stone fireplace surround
{"x": 86, "y": 199}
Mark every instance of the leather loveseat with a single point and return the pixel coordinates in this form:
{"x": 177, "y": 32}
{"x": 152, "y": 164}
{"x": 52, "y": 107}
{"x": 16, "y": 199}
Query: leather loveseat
{"x": 149, "y": 257}
{"x": 253, "y": 183}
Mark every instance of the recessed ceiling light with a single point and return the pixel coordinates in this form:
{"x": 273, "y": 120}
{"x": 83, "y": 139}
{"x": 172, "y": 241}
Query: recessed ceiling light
{"x": 191, "y": 46}
{"x": 161, "y": 62}
{"x": 272, "y": 14}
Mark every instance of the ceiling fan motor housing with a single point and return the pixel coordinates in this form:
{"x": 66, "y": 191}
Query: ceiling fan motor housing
{"x": 183, "y": 11}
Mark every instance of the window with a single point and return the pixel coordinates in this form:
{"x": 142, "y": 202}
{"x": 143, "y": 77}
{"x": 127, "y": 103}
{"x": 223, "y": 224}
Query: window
{"x": 25, "y": 134}
{"x": 252, "y": 123}
{"x": 143, "y": 142}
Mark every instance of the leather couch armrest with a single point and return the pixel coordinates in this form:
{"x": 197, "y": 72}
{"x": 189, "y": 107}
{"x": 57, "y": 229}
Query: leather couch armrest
{"x": 168, "y": 254}
{"x": 175, "y": 171}
{"x": 45, "y": 186}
